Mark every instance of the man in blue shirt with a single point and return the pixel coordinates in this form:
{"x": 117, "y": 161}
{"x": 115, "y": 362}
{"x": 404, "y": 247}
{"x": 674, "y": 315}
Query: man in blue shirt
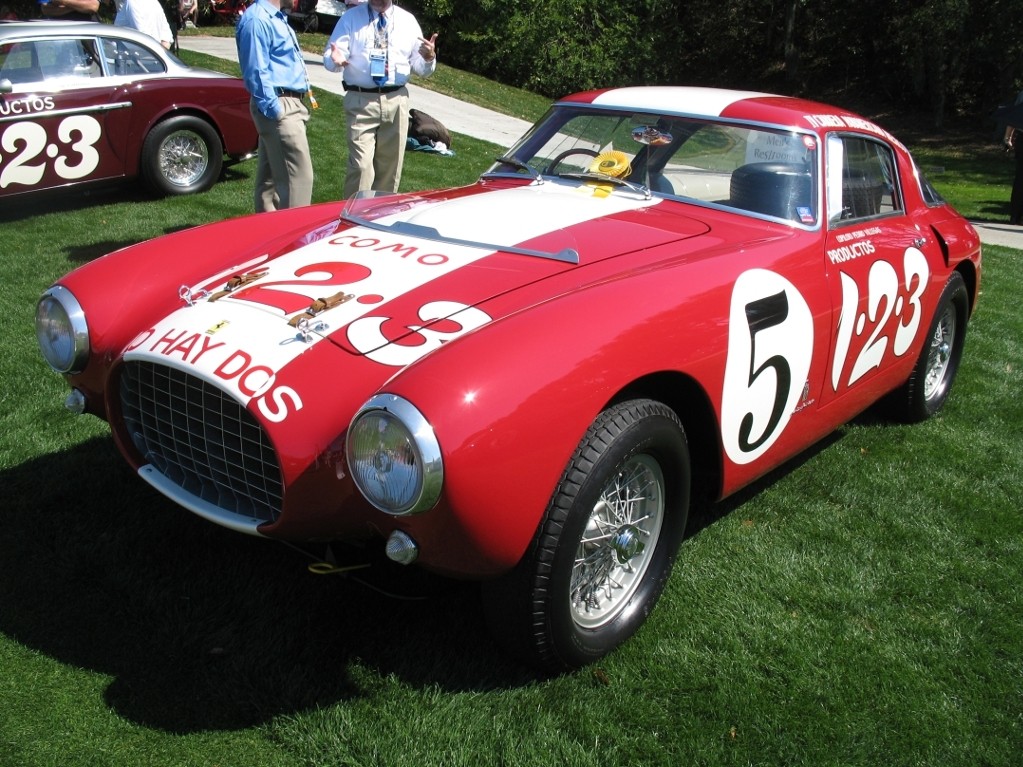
{"x": 275, "y": 76}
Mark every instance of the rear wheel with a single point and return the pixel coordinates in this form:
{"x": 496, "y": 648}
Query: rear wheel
{"x": 182, "y": 155}
{"x": 605, "y": 546}
{"x": 931, "y": 381}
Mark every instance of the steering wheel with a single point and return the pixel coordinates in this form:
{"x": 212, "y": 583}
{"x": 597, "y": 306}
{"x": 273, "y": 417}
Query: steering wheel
{"x": 549, "y": 170}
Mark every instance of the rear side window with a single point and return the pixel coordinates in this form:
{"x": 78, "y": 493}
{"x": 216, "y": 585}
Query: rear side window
{"x": 930, "y": 194}
{"x": 861, "y": 178}
{"x": 124, "y": 57}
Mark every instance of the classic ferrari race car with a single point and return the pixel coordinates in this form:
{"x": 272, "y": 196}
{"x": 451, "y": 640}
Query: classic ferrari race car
{"x": 657, "y": 295}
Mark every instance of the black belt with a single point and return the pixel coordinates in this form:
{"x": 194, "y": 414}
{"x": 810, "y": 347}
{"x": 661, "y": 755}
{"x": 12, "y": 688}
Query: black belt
{"x": 381, "y": 89}
{"x": 292, "y": 94}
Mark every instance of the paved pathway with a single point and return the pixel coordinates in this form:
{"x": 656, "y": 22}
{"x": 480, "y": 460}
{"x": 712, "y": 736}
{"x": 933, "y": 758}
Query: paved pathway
{"x": 480, "y": 123}
{"x": 457, "y": 116}
{"x": 1000, "y": 234}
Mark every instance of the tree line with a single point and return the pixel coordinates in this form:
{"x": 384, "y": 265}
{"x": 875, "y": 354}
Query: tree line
{"x": 946, "y": 58}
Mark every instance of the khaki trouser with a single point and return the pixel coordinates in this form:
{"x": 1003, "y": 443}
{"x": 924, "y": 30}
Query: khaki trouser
{"x": 377, "y": 130}
{"x": 284, "y": 174}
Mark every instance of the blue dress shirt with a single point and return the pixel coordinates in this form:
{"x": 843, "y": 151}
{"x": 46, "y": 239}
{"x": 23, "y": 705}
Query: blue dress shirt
{"x": 269, "y": 56}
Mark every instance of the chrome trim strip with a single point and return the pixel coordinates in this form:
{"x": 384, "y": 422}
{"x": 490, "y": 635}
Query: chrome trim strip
{"x": 61, "y": 112}
{"x": 236, "y": 522}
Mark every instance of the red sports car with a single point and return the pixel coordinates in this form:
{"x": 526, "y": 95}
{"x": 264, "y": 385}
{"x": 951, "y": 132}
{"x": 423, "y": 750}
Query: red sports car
{"x": 658, "y": 294}
{"x": 85, "y": 102}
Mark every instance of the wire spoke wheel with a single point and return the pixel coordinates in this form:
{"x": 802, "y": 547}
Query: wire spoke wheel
{"x": 929, "y": 385}
{"x": 618, "y": 542}
{"x": 182, "y": 155}
{"x": 184, "y": 158}
{"x": 606, "y": 544}
{"x": 940, "y": 351}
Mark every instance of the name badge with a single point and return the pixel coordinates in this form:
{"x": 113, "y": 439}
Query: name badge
{"x": 377, "y": 63}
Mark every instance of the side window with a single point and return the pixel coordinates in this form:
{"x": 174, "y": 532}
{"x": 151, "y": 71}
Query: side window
{"x": 862, "y": 182}
{"x": 124, "y": 57}
{"x": 19, "y": 63}
{"x": 68, "y": 59}
{"x": 930, "y": 194}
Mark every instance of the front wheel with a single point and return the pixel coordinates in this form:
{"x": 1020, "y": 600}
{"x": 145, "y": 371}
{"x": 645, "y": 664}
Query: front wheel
{"x": 605, "y": 546}
{"x": 182, "y": 155}
{"x": 931, "y": 381}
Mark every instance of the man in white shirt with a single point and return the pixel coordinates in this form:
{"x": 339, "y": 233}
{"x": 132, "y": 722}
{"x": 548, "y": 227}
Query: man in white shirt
{"x": 377, "y": 46}
{"x": 146, "y": 16}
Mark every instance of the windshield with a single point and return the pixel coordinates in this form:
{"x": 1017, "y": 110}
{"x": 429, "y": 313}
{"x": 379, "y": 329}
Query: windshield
{"x": 759, "y": 170}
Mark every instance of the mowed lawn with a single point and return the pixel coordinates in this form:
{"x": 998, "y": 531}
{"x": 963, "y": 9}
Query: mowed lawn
{"x": 861, "y": 606}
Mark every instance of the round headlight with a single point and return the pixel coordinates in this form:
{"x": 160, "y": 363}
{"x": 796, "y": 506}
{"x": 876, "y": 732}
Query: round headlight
{"x": 61, "y": 330}
{"x": 394, "y": 456}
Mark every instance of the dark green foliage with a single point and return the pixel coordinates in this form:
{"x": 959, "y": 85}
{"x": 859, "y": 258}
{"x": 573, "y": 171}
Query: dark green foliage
{"x": 952, "y": 58}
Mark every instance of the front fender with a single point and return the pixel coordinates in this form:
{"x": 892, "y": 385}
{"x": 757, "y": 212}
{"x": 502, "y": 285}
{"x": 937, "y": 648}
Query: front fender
{"x": 510, "y": 403}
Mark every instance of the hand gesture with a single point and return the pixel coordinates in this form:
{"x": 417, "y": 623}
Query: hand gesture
{"x": 337, "y": 57}
{"x": 428, "y": 48}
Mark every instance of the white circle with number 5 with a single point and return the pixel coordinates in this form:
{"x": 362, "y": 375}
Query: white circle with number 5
{"x": 770, "y": 344}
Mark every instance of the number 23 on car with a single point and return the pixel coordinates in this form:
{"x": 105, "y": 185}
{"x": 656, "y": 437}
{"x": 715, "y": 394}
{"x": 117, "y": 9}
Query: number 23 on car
{"x": 88, "y": 103}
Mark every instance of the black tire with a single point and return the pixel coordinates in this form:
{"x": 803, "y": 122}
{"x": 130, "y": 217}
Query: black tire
{"x": 182, "y": 155}
{"x": 931, "y": 381}
{"x": 600, "y": 558}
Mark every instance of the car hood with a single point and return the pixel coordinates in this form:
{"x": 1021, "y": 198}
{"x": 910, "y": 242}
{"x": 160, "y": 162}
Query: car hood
{"x": 399, "y": 276}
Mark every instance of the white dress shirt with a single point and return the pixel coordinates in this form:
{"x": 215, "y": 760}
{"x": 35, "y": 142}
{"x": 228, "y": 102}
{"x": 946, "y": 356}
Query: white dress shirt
{"x": 146, "y": 16}
{"x": 355, "y": 35}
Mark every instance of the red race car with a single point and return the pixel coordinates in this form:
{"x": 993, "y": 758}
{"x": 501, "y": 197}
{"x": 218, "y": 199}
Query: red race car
{"x": 657, "y": 295}
{"x": 86, "y": 102}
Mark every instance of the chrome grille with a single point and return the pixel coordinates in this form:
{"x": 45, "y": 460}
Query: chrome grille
{"x": 201, "y": 439}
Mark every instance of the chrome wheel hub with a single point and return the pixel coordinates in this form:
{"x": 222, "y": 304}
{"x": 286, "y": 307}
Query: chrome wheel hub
{"x": 183, "y": 158}
{"x": 940, "y": 353}
{"x": 618, "y": 542}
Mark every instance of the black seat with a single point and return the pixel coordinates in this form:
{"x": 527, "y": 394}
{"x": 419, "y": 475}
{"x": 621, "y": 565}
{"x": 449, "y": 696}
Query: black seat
{"x": 861, "y": 194}
{"x": 772, "y": 188}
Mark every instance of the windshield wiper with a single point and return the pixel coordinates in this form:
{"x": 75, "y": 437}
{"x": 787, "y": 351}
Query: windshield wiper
{"x": 605, "y": 178}
{"x": 515, "y": 162}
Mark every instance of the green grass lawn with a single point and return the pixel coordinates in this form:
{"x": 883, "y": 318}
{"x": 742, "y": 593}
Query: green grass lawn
{"x": 862, "y": 606}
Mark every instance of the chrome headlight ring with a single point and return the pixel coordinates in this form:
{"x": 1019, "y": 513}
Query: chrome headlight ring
{"x": 394, "y": 456}
{"x": 61, "y": 330}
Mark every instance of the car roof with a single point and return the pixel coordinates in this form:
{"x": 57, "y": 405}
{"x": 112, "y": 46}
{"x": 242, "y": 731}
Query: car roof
{"x": 24, "y": 30}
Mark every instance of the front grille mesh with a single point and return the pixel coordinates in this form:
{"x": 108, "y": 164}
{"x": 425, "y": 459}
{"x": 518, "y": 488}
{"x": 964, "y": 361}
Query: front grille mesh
{"x": 201, "y": 439}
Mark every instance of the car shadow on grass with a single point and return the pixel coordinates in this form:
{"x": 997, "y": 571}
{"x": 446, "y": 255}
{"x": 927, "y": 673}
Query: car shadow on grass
{"x": 201, "y": 628}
